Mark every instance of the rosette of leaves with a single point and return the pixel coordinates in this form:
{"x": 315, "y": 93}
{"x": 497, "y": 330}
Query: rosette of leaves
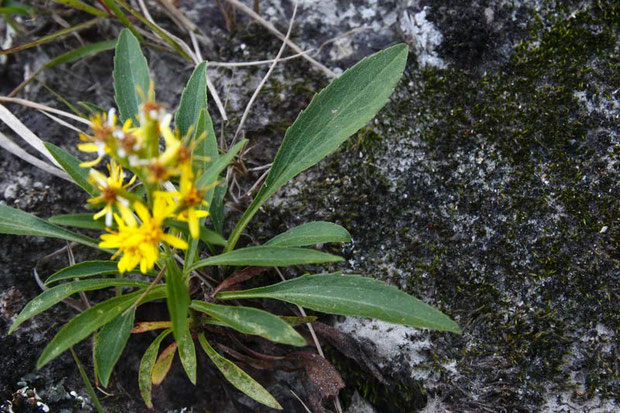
{"x": 216, "y": 316}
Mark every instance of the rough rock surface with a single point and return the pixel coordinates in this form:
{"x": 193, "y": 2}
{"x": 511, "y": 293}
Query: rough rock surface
{"x": 488, "y": 187}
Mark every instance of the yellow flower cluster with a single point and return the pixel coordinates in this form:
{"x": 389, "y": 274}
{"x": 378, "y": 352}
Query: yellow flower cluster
{"x": 140, "y": 223}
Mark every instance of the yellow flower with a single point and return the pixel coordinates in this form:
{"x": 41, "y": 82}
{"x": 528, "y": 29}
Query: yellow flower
{"x": 102, "y": 126}
{"x": 187, "y": 200}
{"x": 176, "y": 154}
{"x": 128, "y": 140}
{"x": 139, "y": 243}
{"x": 111, "y": 188}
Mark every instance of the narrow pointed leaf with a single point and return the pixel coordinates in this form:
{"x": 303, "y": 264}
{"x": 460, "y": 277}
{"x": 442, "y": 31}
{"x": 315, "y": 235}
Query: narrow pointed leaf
{"x": 91, "y": 108}
{"x": 86, "y": 380}
{"x": 50, "y": 37}
{"x": 131, "y": 73}
{"x": 252, "y": 321}
{"x": 217, "y": 208}
{"x": 206, "y": 235}
{"x": 267, "y": 256}
{"x": 54, "y": 295}
{"x": 162, "y": 365}
{"x": 310, "y": 234}
{"x": 352, "y": 295}
{"x": 337, "y": 112}
{"x": 178, "y": 301}
{"x": 79, "y": 220}
{"x": 144, "y": 326}
{"x": 204, "y": 152}
{"x": 205, "y": 147}
{"x": 146, "y": 368}
{"x": 71, "y": 165}
{"x": 239, "y": 378}
{"x": 110, "y": 343}
{"x": 210, "y": 175}
{"x": 83, "y": 270}
{"x": 297, "y": 321}
{"x": 82, "y": 52}
{"x": 111, "y": 4}
{"x": 193, "y": 100}
{"x": 91, "y": 320}
{"x": 17, "y": 222}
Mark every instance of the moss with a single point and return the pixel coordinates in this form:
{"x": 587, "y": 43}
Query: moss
{"x": 515, "y": 251}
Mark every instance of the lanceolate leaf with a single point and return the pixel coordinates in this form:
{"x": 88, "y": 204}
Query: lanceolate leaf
{"x": 238, "y": 378}
{"x": 83, "y": 270}
{"x": 310, "y": 234}
{"x": 79, "y": 220}
{"x": 337, "y": 112}
{"x": 268, "y": 256}
{"x": 53, "y": 296}
{"x": 205, "y": 147}
{"x": 16, "y": 222}
{"x": 352, "y": 295}
{"x": 252, "y": 321}
{"x": 214, "y": 168}
{"x": 206, "y": 235}
{"x": 162, "y": 365}
{"x": 110, "y": 343}
{"x": 82, "y": 52}
{"x": 178, "y": 306}
{"x": 71, "y": 165}
{"x": 91, "y": 320}
{"x": 217, "y": 207}
{"x": 131, "y": 73}
{"x": 146, "y": 368}
{"x": 204, "y": 152}
{"x": 193, "y": 100}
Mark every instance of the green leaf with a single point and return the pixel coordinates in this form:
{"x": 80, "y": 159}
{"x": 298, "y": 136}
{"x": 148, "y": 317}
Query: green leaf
{"x": 89, "y": 387}
{"x": 53, "y": 296}
{"x": 156, "y": 29}
{"x": 111, "y": 4}
{"x": 210, "y": 175}
{"x": 178, "y": 301}
{"x": 206, "y": 235}
{"x": 207, "y": 146}
{"x": 337, "y": 112}
{"x": 83, "y": 270}
{"x": 91, "y": 107}
{"x": 131, "y": 73}
{"x": 110, "y": 343}
{"x": 217, "y": 208}
{"x": 266, "y": 256}
{"x": 239, "y": 378}
{"x": 310, "y": 234}
{"x": 204, "y": 152}
{"x": 80, "y": 220}
{"x": 297, "y": 321}
{"x": 253, "y": 321}
{"x": 146, "y": 368}
{"x": 92, "y": 319}
{"x": 71, "y": 165}
{"x": 193, "y": 100}
{"x": 77, "y": 4}
{"x": 352, "y": 295}
{"x": 82, "y": 52}
{"x": 16, "y": 222}
{"x": 16, "y": 7}
{"x": 50, "y": 37}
